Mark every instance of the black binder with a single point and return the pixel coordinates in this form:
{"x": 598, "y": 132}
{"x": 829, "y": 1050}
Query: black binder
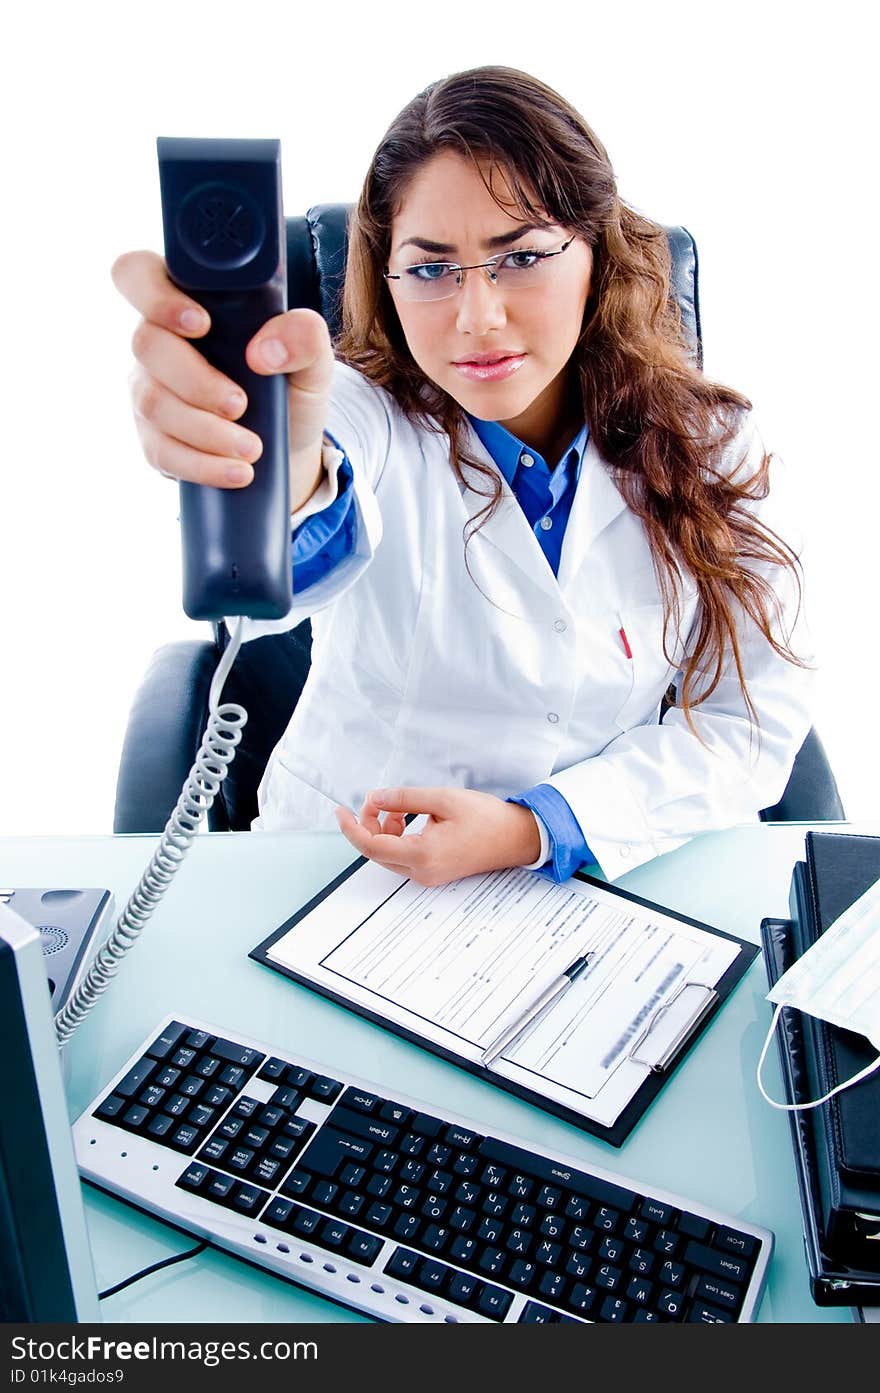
{"x": 832, "y": 1281}
{"x": 838, "y": 869}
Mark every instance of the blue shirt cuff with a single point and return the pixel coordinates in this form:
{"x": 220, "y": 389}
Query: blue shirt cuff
{"x": 568, "y": 846}
{"x": 325, "y": 538}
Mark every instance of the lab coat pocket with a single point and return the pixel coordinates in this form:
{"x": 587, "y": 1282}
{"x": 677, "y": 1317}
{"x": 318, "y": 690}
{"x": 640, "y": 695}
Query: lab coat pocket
{"x": 648, "y": 671}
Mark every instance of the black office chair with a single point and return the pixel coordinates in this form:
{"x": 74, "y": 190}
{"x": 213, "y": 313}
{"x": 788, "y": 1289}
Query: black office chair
{"x": 170, "y": 709}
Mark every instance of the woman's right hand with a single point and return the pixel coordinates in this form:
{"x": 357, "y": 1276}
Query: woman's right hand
{"x": 186, "y": 410}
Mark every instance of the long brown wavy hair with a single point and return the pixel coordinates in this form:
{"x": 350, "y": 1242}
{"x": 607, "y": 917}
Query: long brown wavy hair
{"x": 658, "y": 423}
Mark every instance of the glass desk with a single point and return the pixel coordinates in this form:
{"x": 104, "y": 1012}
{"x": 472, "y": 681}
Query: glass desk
{"x": 709, "y": 1135}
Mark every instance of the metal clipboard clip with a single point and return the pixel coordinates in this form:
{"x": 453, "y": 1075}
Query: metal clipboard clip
{"x": 705, "y": 999}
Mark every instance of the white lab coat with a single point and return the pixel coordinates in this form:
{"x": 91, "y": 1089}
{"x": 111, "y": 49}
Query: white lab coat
{"x": 507, "y": 677}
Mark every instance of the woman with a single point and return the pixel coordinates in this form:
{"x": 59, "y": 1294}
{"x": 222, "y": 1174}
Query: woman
{"x": 521, "y": 515}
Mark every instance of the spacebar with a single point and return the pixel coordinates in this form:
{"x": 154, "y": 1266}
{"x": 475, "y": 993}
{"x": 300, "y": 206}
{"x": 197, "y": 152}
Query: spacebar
{"x": 593, "y": 1186}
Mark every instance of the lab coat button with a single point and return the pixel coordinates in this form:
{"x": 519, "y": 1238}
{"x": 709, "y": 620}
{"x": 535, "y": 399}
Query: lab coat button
{"x": 545, "y": 524}
{"x": 560, "y": 626}
{"x": 625, "y": 850}
{"x": 527, "y": 460}
{"x": 552, "y": 717}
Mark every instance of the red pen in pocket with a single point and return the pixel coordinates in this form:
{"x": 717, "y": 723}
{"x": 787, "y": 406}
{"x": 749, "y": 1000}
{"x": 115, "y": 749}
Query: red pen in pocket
{"x": 625, "y": 641}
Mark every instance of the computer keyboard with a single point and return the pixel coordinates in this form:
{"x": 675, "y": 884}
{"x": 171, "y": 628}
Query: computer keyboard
{"x": 377, "y": 1201}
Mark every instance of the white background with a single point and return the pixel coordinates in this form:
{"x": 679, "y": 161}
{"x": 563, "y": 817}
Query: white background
{"x": 752, "y": 124}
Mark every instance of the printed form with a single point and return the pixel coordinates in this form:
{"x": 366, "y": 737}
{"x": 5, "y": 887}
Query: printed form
{"x": 467, "y": 958}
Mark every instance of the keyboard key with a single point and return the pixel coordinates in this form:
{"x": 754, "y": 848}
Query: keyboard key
{"x": 334, "y": 1233}
{"x": 134, "y": 1080}
{"x": 718, "y": 1293}
{"x": 693, "y": 1226}
{"x": 435, "y": 1237}
{"x": 552, "y": 1286}
{"x": 431, "y": 1276}
{"x": 234, "y": 1053}
{"x": 329, "y": 1151}
{"x": 358, "y": 1101}
{"x": 356, "y": 1124}
{"x": 607, "y": 1277}
{"x": 393, "y": 1112}
{"x": 426, "y": 1125}
{"x": 701, "y": 1314}
{"x": 403, "y": 1263}
{"x": 742, "y": 1245}
{"x": 461, "y": 1139}
{"x": 194, "y": 1177}
{"x": 671, "y": 1274}
{"x": 248, "y": 1198}
{"x": 542, "y": 1168}
{"x": 160, "y": 1125}
{"x": 463, "y": 1288}
{"x": 494, "y": 1302}
{"x": 721, "y": 1264}
{"x": 164, "y": 1043}
{"x": 186, "y": 1138}
{"x": 306, "y": 1221}
{"x": 522, "y": 1274}
{"x": 670, "y": 1304}
{"x": 273, "y": 1070}
{"x": 220, "y": 1187}
{"x": 407, "y": 1226}
{"x": 363, "y": 1247}
{"x": 582, "y": 1298}
{"x": 277, "y": 1212}
{"x": 298, "y": 1077}
{"x": 324, "y": 1089}
{"x": 656, "y": 1212}
{"x": 464, "y": 1250}
{"x": 110, "y": 1108}
{"x": 234, "y": 1076}
{"x": 533, "y": 1313}
{"x": 379, "y": 1216}
{"x": 614, "y": 1309}
{"x": 287, "y": 1098}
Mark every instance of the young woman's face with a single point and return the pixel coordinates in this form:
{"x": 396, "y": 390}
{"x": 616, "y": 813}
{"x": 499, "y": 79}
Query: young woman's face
{"x": 500, "y": 353}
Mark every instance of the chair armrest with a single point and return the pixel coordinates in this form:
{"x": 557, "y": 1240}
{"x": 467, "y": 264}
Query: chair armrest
{"x": 162, "y": 737}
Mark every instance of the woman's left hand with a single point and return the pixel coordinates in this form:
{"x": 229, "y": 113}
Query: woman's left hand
{"x": 466, "y": 833}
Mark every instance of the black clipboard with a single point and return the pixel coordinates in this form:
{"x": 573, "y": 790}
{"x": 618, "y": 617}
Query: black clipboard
{"x": 655, "y": 1078}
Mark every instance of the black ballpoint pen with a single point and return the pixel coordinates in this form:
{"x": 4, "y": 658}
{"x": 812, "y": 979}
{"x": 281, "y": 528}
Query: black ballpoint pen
{"x": 555, "y": 989}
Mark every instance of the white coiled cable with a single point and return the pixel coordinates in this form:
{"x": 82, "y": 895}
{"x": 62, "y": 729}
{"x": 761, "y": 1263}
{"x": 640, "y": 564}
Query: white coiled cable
{"x": 216, "y": 753}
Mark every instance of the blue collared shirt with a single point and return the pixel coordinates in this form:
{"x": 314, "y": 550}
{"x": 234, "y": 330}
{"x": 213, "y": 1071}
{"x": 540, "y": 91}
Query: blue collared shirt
{"x": 545, "y": 496}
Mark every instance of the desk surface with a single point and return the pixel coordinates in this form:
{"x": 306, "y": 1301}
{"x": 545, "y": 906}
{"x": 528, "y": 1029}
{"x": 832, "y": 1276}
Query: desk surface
{"x": 709, "y": 1135}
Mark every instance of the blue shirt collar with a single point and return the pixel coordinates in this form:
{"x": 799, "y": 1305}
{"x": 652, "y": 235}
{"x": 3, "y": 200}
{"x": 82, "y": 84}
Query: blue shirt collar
{"x": 505, "y": 449}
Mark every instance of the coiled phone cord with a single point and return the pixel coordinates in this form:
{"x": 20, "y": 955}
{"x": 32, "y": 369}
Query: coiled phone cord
{"x": 216, "y": 752}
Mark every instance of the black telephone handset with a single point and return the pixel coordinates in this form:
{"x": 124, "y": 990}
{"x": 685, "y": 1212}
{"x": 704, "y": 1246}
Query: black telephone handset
{"x": 225, "y": 244}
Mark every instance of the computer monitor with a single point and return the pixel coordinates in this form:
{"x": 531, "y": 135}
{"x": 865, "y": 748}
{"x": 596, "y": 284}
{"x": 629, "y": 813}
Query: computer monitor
{"x": 45, "y": 1262}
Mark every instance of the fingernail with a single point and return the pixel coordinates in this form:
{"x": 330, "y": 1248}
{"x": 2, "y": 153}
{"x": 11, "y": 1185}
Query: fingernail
{"x": 192, "y": 320}
{"x": 247, "y": 445}
{"x": 238, "y": 474}
{"x": 273, "y": 352}
{"x": 235, "y": 403}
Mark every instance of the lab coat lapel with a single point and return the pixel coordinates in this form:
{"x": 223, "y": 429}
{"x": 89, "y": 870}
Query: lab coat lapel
{"x": 596, "y": 503}
{"x": 508, "y": 529}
